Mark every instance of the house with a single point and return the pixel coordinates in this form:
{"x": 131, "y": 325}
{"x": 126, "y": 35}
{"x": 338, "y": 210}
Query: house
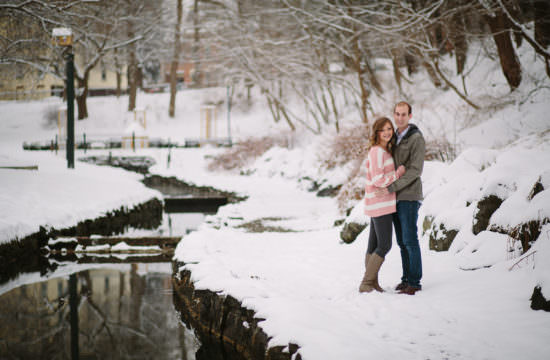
{"x": 23, "y": 82}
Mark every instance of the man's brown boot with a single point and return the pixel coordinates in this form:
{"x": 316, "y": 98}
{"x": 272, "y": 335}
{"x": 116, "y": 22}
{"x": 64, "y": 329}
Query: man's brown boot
{"x": 370, "y": 279}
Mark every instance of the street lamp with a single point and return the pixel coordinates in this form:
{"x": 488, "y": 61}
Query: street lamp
{"x": 64, "y": 37}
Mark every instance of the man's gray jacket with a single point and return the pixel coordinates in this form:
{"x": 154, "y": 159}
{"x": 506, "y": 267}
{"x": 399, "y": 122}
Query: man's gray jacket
{"x": 409, "y": 153}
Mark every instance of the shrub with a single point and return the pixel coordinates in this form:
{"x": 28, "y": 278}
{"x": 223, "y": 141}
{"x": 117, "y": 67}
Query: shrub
{"x": 349, "y": 145}
{"x": 244, "y": 151}
{"x": 440, "y": 149}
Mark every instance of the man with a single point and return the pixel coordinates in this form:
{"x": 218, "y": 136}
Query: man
{"x": 409, "y": 152}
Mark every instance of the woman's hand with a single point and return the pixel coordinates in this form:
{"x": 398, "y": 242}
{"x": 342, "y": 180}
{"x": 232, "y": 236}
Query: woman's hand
{"x": 400, "y": 170}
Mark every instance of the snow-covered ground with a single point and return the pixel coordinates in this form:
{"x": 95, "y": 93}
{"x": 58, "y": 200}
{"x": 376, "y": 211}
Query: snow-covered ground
{"x": 304, "y": 282}
{"x": 302, "y": 279}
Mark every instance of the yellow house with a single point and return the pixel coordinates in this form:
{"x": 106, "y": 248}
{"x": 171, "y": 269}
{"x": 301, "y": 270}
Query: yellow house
{"x": 19, "y": 81}
{"x": 22, "y": 82}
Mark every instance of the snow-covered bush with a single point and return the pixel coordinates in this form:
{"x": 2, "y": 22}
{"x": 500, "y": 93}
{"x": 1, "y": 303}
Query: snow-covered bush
{"x": 248, "y": 150}
{"x": 348, "y": 145}
{"x": 348, "y": 150}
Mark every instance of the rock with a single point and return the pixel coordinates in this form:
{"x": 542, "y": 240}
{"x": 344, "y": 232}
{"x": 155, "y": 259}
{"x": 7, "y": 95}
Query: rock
{"x": 538, "y": 301}
{"x": 338, "y": 222}
{"x": 427, "y": 223}
{"x": 350, "y": 231}
{"x": 441, "y": 238}
{"x": 537, "y": 188}
{"x": 526, "y": 233}
{"x": 485, "y": 208}
{"x": 329, "y": 191}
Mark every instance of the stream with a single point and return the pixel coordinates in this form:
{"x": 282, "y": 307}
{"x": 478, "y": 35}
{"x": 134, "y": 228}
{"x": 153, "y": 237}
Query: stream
{"x": 102, "y": 306}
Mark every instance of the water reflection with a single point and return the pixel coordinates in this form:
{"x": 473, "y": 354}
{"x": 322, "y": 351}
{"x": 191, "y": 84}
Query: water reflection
{"x": 120, "y": 312}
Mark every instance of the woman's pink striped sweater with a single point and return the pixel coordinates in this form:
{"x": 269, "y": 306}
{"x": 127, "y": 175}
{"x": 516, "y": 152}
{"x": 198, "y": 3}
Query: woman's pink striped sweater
{"x": 380, "y": 174}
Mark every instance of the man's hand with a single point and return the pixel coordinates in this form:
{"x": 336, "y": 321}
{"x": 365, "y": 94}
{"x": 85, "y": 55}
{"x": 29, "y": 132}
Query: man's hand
{"x": 381, "y": 192}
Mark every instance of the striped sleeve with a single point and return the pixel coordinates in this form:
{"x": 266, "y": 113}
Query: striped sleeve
{"x": 381, "y": 168}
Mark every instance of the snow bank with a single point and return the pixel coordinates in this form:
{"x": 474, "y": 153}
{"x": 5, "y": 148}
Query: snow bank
{"x": 58, "y": 197}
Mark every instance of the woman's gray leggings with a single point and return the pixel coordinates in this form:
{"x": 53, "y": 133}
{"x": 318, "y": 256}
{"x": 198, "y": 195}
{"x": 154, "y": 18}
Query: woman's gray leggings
{"x": 380, "y": 235}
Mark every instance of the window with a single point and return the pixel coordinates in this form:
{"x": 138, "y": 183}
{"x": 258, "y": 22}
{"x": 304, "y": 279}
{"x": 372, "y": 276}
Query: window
{"x": 19, "y": 71}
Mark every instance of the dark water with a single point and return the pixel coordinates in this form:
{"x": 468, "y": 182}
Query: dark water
{"x": 87, "y": 310}
{"x": 120, "y": 311}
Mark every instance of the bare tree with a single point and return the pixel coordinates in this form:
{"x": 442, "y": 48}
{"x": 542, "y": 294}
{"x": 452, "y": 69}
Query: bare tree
{"x": 175, "y": 60}
{"x": 500, "y": 26}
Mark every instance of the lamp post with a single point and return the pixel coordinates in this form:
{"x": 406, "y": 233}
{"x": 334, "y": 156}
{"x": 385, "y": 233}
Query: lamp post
{"x": 64, "y": 37}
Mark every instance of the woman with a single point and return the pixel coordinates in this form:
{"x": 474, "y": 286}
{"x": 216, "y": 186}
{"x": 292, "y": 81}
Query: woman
{"x": 380, "y": 173}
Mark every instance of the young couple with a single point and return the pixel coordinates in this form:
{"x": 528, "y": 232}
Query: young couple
{"x": 392, "y": 195}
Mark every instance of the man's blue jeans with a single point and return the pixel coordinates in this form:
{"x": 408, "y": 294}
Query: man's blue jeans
{"x": 406, "y": 232}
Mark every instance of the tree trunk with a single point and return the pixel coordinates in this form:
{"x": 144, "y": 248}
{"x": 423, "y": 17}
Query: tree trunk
{"x": 359, "y": 69}
{"x": 132, "y": 83}
{"x": 285, "y": 115}
{"x": 509, "y": 62}
{"x": 458, "y": 42}
{"x": 81, "y": 98}
{"x": 429, "y": 69}
{"x": 411, "y": 62}
{"x": 396, "y": 72}
{"x": 360, "y": 72}
{"x": 433, "y": 75}
{"x": 118, "y": 83}
{"x": 248, "y": 92}
{"x": 118, "y": 75}
{"x": 139, "y": 77}
{"x": 274, "y": 113}
{"x": 542, "y": 22}
{"x": 197, "y": 78}
{"x": 373, "y": 80}
{"x": 175, "y": 63}
{"x": 132, "y": 72}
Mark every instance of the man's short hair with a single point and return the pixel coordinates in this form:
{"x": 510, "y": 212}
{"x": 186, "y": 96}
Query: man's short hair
{"x": 401, "y": 103}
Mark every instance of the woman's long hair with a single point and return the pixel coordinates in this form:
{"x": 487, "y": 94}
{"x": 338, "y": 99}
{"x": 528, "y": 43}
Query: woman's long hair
{"x": 376, "y": 128}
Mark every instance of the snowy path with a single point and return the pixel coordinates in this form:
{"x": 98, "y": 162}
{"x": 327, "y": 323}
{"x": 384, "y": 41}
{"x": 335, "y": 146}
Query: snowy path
{"x": 305, "y": 284}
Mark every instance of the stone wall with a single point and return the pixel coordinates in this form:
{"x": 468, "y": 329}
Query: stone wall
{"x": 223, "y": 319}
{"x": 24, "y": 255}
{"x": 171, "y": 186}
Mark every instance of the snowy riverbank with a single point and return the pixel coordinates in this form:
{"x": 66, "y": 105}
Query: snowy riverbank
{"x": 303, "y": 281}
{"x": 57, "y": 197}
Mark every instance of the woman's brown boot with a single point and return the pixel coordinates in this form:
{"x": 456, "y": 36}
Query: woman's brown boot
{"x": 373, "y": 262}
